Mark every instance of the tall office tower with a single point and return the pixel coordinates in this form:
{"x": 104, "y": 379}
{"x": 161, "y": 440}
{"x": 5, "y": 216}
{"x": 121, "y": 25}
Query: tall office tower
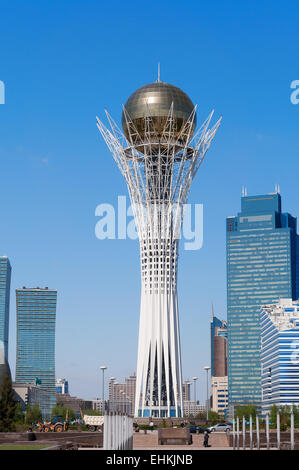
{"x": 187, "y": 390}
{"x": 218, "y": 330}
{"x": 35, "y": 363}
{"x": 158, "y": 154}
{"x": 261, "y": 269}
{"x": 5, "y": 275}
{"x": 280, "y": 354}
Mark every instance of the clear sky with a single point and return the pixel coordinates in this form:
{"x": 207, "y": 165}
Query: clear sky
{"x": 62, "y": 63}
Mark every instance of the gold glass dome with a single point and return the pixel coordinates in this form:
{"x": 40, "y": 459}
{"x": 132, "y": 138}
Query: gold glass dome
{"x": 155, "y": 100}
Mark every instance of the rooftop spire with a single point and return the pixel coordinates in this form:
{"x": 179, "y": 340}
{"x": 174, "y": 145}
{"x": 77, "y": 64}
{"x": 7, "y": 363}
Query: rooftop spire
{"x": 158, "y": 72}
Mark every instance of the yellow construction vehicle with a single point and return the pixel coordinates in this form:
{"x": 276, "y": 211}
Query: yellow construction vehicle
{"x": 57, "y": 424}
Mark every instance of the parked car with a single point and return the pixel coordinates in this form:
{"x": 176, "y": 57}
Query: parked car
{"x": 194, "y": 429}
{"x": 220, "y": 427}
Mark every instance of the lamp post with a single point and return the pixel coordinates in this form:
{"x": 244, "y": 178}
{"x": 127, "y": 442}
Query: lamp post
{"x": 103, "y": 368}
{"x": 194, "y": 379}
{"x": 112, "y": 380}
{"x": 207, "y": 368}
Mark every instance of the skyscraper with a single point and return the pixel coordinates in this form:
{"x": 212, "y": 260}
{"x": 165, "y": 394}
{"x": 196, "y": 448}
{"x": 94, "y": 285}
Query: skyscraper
{"x": 158, "y": 153}
{"x": 35, "y": 362}
{"x": 279, "y": 354}
{"x": 261, "y": 268}
{"x": 122, "y": 395}
{"x": 5, "y": 275}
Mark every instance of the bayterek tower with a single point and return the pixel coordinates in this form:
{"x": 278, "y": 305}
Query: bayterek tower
{"x": 158, "y": 151}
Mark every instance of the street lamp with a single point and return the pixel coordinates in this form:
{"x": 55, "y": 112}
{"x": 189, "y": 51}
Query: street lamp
{"x": 207, "y": 368}
{"x": 111, "y": 387}
{"x": 103, "y": 368}
{"x": 194, "y": 379}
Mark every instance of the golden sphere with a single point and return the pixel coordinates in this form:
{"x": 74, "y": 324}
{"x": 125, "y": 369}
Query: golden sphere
{"x": 154, "y": 100}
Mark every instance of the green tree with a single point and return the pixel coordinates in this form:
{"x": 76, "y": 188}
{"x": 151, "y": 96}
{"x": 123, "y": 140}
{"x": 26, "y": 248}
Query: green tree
{"x": 36, "y": 413}
{"x": 213, "y": 417}
{"x": 61, "y": 410}
{"x": 19, "y": 417}
{"x": 29, "y": 415}
{"x": 93, "y": 412}
{"x": 247, "y": 411}
{"x": 8, "y": 404}
{"x": 273, "y": 416}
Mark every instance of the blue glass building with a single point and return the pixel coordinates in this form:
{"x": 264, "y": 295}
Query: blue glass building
{"x": 261, "y": 269}
{"x": 280, "y": 354}
{"x": 5, "y": 275}
{"x": 35, "y": 362}
{"x": 62, "y": 386}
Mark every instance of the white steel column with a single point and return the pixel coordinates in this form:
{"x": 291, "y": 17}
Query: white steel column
{"x": 159, "y": 169}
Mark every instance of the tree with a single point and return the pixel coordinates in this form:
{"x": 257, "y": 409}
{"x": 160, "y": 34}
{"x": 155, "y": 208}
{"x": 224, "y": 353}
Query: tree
{"x": 213, "y": 417}
{"x": 61, "y": 410}
{"x": 29, "y": 415}
{"x": 19, "y": 417}
{"x": 247, "y": 411}
{"x": 36, "y": 413}
{"x": 93, "y": 412}
{"x": 273, "y": 416}
{"x": 8, "y": 405}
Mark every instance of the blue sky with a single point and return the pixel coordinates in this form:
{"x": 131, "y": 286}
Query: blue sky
{"x": 62, "y": 63}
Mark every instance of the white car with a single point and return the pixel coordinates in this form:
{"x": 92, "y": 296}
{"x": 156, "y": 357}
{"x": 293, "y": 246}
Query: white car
{"x": 220, "y": 427}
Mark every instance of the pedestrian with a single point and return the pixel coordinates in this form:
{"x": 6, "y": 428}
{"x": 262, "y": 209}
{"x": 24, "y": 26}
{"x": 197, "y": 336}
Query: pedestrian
{"x": 151, "y": 426}
{"x": 206, "y": 439}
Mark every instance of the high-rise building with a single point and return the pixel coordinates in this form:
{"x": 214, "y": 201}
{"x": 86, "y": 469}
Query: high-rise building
{"x": 5, "y": 275}
{"x": 35, "y": 362}
{"x": 219, "y": 394}
{"x": 187, "y": 390}
{"x": 193, "y": 408}
{"x": 218, "y": 330}
{"x": 280, "y": 354}
{"x": 158, "y": 155}
{"x": 122, "y": 394}
{"x": 62, "y": 386}
{"x": 261, "y": 269}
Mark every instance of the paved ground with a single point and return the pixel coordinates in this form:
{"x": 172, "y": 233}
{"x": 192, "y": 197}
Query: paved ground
{"x": 149, "y": 441}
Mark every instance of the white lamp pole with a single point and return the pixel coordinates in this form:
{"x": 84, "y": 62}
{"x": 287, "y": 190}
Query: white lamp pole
{"x": 207, "y": 368}
{"x": 112, "y": 380}
{"x": 103, "y": 368}
{"x": 194, "y": 379}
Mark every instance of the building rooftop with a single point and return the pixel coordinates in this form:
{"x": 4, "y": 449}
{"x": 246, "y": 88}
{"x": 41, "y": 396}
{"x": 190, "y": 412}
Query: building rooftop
{"x": 284, "y": 314}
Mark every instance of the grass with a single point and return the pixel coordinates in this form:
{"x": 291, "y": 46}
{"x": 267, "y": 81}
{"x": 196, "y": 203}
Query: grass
{"x": 21, "y": 447}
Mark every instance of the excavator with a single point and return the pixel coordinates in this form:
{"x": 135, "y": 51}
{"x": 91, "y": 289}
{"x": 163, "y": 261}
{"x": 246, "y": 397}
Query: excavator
{"x": 57, "y": 424}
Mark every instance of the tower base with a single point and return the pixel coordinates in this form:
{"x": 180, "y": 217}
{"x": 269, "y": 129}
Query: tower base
{"x": 160, "y": 412}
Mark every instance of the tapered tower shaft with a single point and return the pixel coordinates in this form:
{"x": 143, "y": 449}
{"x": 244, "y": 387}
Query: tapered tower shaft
{"x": 159, "y": 155}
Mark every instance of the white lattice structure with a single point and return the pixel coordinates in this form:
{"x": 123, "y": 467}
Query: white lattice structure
{"x": 158, "y": 168}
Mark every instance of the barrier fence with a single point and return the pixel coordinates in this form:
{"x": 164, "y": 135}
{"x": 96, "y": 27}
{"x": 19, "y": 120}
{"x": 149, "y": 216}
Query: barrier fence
{"x": 118, "y": 431}
{"x": 269, "y": 440}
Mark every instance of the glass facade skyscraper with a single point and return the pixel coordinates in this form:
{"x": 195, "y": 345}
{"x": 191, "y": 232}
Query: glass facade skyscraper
{"x": 261, "y": 269}
{"x": 35, "y": 363}
{"x": 5, "y": 275}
